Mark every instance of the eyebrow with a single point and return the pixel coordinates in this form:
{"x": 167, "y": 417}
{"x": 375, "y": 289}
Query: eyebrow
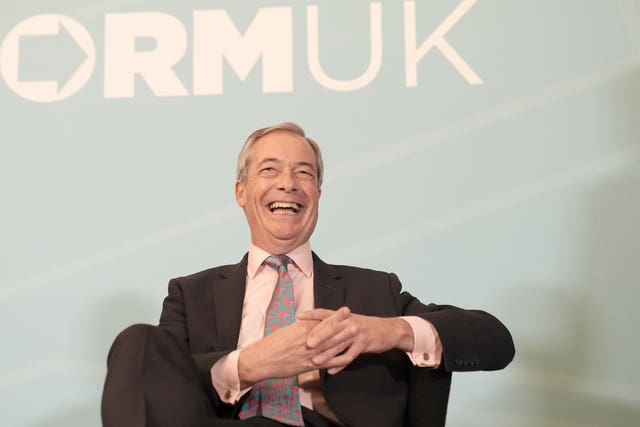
{"x": 306, "y": 164}
{"x": 269, "y": 159}
{"x": 276, "y": 160}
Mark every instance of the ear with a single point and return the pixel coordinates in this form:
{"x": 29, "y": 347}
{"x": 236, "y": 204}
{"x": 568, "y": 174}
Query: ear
{"x": 240, "y": 194}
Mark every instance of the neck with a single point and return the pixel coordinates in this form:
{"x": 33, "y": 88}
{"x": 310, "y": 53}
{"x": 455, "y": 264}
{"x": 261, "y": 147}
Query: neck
{"x": 277, "y": 248}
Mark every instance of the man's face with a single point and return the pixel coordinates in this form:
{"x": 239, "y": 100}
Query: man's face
{"x": 280, "y": 196}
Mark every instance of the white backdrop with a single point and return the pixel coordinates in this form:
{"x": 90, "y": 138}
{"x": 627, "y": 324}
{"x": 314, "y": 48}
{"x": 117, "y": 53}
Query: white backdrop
{"x": 487, "y": 152}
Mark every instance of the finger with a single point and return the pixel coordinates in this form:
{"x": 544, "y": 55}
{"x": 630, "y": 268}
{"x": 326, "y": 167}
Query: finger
{"x": 341, "y": 334}
{"x": 331, "y": 356}
{"x": 316, "y": 314}
{"x": 333, "y": 371}
{"x": 330, "y": 327}
{"x": 306, "y": 325}
{"x": 343, "y": 312}
{"x": 324, "y": 335}
{"x": 323, "y": 313}
{"x": 346, "y": 342}
{"x": 341, "y": 361}
{"x": 337, "y": 364}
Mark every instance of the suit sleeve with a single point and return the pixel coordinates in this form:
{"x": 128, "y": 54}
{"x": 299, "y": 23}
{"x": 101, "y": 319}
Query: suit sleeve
{"x": 472, "y": 340}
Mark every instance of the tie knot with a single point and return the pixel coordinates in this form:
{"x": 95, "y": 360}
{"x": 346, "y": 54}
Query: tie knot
{"x": 278, "y": 262}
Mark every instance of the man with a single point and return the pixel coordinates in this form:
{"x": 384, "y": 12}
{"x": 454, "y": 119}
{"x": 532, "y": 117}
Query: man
{"x": 283, "y": 338}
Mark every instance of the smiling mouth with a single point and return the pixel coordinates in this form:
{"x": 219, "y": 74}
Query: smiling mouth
{"x": 284, "y": 208}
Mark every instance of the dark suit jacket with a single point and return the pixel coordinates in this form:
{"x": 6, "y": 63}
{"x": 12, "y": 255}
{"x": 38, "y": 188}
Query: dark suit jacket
{"x": 205, "y": 310}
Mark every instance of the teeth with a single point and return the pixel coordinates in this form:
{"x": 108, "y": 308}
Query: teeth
{"x": 284, "y": 205}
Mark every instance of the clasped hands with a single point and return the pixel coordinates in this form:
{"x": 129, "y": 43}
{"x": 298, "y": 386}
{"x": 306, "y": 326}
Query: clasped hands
{"x": 321, "y": 339}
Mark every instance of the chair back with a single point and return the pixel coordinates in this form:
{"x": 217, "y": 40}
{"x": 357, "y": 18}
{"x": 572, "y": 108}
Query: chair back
{"x": 428, "y": 397}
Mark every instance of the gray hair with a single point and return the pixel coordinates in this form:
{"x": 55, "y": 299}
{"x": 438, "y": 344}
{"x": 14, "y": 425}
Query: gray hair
{"x": 245, "y": 153}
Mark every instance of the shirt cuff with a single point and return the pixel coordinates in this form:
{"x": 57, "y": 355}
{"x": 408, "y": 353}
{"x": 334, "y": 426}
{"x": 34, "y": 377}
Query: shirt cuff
{"x": 427, "y": 349}
{"x": 225, "y": 378}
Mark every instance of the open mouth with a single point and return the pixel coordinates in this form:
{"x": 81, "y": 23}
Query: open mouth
{"x": 284, "y": 208}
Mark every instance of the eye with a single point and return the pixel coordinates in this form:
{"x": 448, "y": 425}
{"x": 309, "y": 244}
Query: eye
{"x": 268, "y": 170}
{"x": 306, "y": 174}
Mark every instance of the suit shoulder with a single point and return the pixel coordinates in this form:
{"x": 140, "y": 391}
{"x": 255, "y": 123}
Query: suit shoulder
{"x": 344, "y": 270}
{"x": 206, "y": 275}
{"x": 353, "y": 271}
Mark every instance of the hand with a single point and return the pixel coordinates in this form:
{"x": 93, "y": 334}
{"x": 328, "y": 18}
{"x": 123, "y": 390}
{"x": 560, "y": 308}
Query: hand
{"x": 281, "y": 354}
{"x": 341, "y": 336}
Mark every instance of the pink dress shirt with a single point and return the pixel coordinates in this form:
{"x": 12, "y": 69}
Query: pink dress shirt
{"x": 261, "y": 281}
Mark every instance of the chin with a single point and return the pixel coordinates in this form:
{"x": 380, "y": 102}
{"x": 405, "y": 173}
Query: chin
{"x": 286, "y": 236}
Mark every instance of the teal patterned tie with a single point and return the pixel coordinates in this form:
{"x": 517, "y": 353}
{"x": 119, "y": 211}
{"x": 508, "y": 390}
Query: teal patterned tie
{"x": 277, "y": 398}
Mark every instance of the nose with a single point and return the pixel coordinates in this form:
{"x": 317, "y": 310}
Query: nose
{"x": 287, "y": 181}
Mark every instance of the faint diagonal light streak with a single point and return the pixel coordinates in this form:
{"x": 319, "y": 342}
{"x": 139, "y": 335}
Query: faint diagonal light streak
{"x": 424, "y": 229}
{"x": 482, "y": 120}
{"x": 130, "y": 247}
{"x": 357, "y": 165}
{"x": 42, "y": 368}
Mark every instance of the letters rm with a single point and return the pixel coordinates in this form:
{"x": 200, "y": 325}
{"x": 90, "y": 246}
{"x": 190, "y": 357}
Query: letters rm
{"x": 268, "y": 38}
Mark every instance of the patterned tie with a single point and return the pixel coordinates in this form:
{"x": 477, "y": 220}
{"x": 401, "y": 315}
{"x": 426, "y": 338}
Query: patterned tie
{"x": 277, "y": 398}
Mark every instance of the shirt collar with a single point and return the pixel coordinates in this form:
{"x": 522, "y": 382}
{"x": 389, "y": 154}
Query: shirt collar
{"x": 301, "y": 256}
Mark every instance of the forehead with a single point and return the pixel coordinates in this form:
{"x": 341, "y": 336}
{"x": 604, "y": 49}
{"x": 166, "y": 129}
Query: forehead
{"x": 282, "y": 146}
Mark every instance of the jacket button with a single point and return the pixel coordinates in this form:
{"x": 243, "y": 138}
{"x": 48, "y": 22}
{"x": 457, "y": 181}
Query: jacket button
{"x": 425, "y": 356}
{"x": 227, "y": 395}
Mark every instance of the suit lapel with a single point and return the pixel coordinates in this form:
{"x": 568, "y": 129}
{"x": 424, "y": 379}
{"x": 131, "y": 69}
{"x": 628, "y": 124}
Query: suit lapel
{"x": 329, "y": 288}
{"x": 228, "y": 297}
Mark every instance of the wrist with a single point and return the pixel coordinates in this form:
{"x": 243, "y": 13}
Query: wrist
{"x": 405, "y": 340}
{"x": 248, "y": 367}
